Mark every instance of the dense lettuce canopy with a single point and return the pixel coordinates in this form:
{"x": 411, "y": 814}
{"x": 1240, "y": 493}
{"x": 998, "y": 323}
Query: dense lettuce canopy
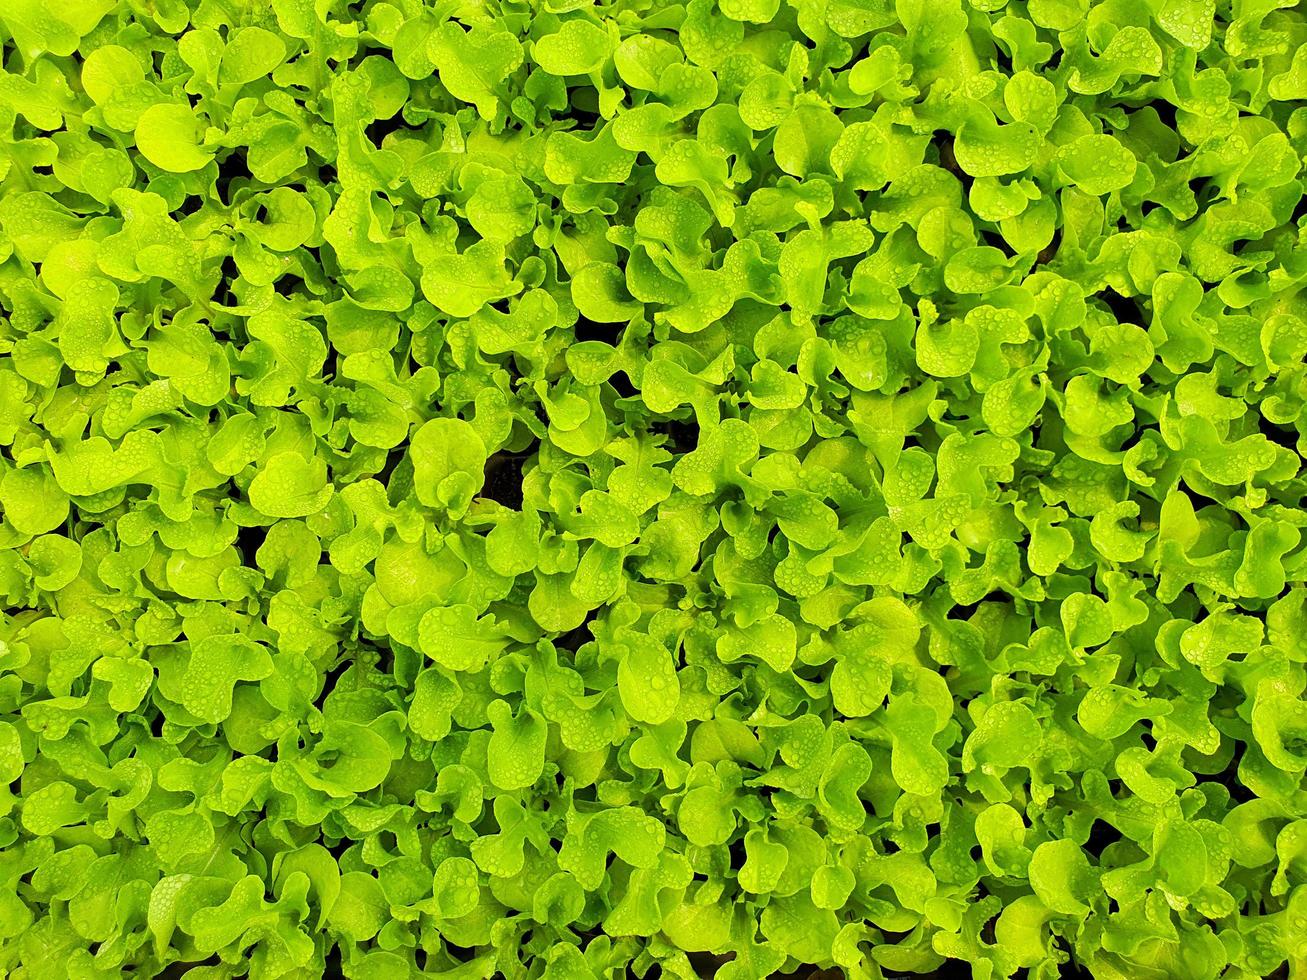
{"x": 546, "y": 489}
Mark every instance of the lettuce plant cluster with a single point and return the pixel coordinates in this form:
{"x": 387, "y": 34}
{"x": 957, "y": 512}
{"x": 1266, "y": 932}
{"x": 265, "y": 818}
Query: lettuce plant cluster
{"x": 556, "y": 490}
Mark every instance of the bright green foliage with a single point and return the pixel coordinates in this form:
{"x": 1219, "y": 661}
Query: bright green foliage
{"x": 549, "y": 490}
